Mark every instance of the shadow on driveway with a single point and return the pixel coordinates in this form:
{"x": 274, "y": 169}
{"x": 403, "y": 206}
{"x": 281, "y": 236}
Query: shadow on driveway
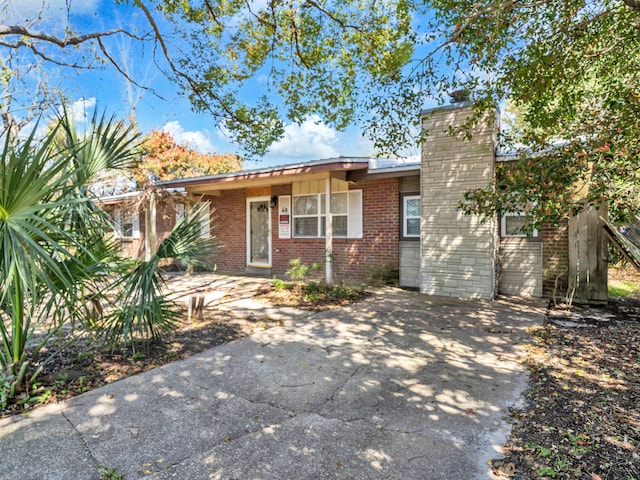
{"x": 399, "y": 386}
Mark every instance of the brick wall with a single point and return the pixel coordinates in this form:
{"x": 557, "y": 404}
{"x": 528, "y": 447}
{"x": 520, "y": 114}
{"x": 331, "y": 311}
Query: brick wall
{"x": 229, "y": 226}
{"x": 555, "y": 259}
{"x": 457, "y": 252}
{"x": 374, "y": 255}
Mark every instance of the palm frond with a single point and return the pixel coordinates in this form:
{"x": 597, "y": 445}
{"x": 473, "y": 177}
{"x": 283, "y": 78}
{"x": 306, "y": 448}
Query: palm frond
{"x": 186, "y": 242}
{"x": 110, "y": 144}
{"x": 142, "y": 311}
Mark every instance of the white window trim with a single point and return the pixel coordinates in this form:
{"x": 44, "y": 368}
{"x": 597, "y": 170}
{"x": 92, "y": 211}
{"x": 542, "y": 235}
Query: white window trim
{"x": 406, "y": 217}
{"x": 354, "y": 218}
{"x": 118, "y": 220}
{"x": 503, "y": 227}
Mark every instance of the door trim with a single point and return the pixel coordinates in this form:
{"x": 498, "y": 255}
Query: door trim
{"x": 266, "y": 199}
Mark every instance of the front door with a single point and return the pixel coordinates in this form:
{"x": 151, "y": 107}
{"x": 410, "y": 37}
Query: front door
{"x": 259, "y": 232}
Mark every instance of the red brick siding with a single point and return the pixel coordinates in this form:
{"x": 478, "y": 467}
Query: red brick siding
{"x": 229, "y": 226}
{"x": 354, "y": 259}
{"x": 134, "y": 247}
{"x": 555, "y": 259}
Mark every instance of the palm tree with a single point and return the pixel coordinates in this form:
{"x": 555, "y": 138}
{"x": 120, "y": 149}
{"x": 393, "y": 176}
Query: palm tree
{"x": 55, "y": 252}
{"x": 49, "y": 229}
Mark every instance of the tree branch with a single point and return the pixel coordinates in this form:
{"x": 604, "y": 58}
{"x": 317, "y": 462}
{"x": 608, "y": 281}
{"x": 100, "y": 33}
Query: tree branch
{"x": 123, "y": 73}
{"x": 178, "y": 72}
{"x": 7, "y": 30}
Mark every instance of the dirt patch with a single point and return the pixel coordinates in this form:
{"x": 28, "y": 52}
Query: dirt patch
{"x": 85, "y": 363}
{"x": 311, "y": 296}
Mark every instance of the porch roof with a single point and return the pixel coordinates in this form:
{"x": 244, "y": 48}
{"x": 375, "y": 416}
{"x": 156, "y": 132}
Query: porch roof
{"x": 287, "y": 173}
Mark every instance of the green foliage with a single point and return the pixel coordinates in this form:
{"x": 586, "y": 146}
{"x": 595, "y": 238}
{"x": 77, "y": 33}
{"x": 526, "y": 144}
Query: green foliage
{"x": 107, "y": 473}
{"x": 51, "y": 235}
{"x": 567, "y": 67}
{"x": 316, "y": 59}
{"x": 143, "y": 311}
{"x": 279, "y": 284}
{"x": 298, "y": 271}
{"x": 572, "y": 83}
{"x": 622, "y": 289}
{"x": 55, "y": 253}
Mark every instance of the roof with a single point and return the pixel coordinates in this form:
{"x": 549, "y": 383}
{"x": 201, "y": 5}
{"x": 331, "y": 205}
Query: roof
{"x": 118, "y": 198}
{"x": 269, "y": 175}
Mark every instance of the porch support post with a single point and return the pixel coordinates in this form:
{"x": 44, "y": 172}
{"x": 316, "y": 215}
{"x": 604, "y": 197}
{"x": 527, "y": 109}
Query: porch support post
{"x": 329, "y": 233}
{"x": 150, "y": 227}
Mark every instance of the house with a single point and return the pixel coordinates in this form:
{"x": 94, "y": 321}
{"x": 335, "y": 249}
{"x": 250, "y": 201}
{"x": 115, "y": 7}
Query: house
{"x": 266, "y": 217}
{"x": 390, "y": 220}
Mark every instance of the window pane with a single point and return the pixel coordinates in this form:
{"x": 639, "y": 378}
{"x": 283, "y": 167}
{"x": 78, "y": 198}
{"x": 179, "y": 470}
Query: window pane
{"x": 127, "y": 224}
{"x": 340, "y": 226}
{"x": 305, "y": 227}
{"x": 412, "y": 207}
{"x": 514, "y": 224}
{"x": 305, "y": 205}
{"x": 339, "y": 203}
{"x": 413, "y": 226}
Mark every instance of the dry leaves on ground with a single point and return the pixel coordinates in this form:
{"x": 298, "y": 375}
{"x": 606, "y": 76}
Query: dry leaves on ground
{"x": 582, "y": 417}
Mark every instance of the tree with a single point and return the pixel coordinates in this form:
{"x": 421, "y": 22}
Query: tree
{"x": 570, "y": 65}
{"x": 316, "y": 56}
{"x": 163, "y": 159}
{"x": 56, "y": 254}
{"x": 570, "y": 70}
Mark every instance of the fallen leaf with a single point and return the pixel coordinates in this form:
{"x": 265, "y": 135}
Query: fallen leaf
{"x": 507, "y": 469}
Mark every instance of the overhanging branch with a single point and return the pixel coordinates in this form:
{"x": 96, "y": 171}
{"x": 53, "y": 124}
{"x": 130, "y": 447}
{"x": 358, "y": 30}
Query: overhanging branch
{"x": 71, "y": 40}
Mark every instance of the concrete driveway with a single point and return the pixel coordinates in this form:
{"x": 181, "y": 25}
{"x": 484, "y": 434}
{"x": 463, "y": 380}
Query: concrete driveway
{"x": 399, "y": 386}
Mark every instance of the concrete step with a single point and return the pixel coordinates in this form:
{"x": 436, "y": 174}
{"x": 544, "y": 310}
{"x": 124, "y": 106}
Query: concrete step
{"x": 258, "y": 271}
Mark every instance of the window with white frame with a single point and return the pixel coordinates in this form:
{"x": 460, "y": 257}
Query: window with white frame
{"x": 411, "y": 216}
{"x": 513, "y": 226}
{"x": 309, "y": 215}
{"x": 205, "y": 216}
{"x": 126, "y": 223}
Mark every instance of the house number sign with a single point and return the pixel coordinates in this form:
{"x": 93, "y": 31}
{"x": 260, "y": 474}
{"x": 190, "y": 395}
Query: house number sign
{"x": 284, "y": 216}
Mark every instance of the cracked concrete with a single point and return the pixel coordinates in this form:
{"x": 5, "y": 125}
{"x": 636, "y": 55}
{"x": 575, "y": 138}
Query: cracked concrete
{"x": 399, "y": 386}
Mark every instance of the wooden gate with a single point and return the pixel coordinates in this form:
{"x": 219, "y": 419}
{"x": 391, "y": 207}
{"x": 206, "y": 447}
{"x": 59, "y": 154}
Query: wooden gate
{"x": 588, "y": 256}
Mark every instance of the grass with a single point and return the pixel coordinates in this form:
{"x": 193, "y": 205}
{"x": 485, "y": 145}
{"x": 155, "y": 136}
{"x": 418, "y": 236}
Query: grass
{"x": 623, "y": 289}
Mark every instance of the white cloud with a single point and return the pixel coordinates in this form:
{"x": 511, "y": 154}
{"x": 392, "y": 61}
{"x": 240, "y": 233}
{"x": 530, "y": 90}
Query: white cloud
{"x": 21, "y": 11}
{"x": 80, "y": 109}
{"x": 310, "y": 140}
{"x": 197, "y": 140}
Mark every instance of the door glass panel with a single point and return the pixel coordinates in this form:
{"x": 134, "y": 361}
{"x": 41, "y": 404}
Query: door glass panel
{"x": 259, "y": 248}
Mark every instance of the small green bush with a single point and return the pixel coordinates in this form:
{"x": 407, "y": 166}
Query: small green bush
{"x": 298, "y": 271}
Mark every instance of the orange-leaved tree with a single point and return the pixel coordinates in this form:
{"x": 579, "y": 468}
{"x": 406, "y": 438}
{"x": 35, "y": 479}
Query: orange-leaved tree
{"x": 163, "y": 159}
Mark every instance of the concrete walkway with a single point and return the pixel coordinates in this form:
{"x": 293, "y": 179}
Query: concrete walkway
{"x": 399, "y": 386}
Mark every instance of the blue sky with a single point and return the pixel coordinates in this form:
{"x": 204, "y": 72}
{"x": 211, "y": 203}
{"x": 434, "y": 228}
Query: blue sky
{"x": 166, "y": 109}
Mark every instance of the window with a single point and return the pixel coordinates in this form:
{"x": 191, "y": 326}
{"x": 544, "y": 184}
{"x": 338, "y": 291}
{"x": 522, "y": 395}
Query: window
{"x": 309, "y": 215}
{"x": 126, "y": 223}
{"x": 205, "y": 217}
{"x": 512, "y": 226}
{"x": 411, "y": 216}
